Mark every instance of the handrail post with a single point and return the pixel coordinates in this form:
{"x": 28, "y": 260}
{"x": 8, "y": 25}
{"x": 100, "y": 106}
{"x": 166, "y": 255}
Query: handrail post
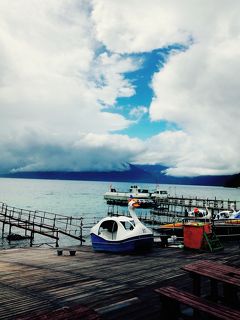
{"x": 66, "y": 225}
{"x": 5, "y": 217}
{"x": 81, "y": 234}
{"x": 31, "y": 238}
{"x": 54, "y": 222}
{"x": 57, "y": 238}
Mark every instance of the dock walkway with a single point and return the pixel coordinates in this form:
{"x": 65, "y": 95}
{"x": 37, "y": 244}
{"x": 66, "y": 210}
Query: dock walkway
{"x": 179, "y": 204}
{"x": 36, "y": 281}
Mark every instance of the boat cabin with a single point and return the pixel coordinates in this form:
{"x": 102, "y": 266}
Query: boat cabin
{"x": 161, "y": 192}
{"x": 109, "y": 229}
{"x": 136, "y": 189}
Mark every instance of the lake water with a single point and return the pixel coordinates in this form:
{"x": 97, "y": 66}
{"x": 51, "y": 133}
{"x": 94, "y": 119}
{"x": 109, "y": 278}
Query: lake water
{"x": 85, "y": 198}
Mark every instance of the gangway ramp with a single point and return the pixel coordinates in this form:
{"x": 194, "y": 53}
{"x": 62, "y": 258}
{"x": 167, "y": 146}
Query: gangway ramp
{"x": 41, "y": 222}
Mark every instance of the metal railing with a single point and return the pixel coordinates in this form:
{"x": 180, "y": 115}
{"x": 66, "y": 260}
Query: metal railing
{"x": 42, "y": 222}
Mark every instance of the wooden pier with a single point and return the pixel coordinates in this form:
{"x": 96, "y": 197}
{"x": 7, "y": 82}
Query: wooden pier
{"x": 36, "y": 283}
{"x": 180, "y": 204}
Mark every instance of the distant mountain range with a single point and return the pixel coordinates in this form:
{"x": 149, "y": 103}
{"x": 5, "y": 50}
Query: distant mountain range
{"x": 136, "y": 173}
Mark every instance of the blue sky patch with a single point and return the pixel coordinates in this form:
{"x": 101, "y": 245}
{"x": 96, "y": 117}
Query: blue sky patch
{"x": 141, "y": 79}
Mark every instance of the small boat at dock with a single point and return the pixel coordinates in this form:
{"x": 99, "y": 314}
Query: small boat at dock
{"x": 121, "y": 234}
{"x": 134, "y": 192}
{"x": 146, "y": 198}
{"x": 227, "y": 227}
{"x": 159, "y": 193}
{"x": 231, "y": 214}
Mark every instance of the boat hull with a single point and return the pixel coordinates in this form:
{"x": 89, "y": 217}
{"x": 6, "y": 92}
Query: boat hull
{"x": 125, "y": 196}
{"x": 134, "y": 244}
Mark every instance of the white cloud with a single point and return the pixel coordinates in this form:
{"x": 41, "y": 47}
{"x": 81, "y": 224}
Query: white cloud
{"x": 57, "y": 82}
{"x": 48, "y": 66}
{"x": 38, "y": 152}
{"x": 108, "y": 80}
{"x": 49, "y": 81}
{"x": 138, "y": 112}
{"x": 198, "y": 89}
{"x": 130, "y": 26}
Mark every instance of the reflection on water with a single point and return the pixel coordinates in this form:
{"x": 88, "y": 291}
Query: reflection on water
{"x": 5, "y": 244}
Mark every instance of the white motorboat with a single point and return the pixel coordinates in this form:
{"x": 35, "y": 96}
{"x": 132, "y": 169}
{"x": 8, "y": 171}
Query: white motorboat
{"x": 228, "y": 214}
{"x": 134, "y": 192}
{"x": 122, "y": 234}
{"x": 221, "y": 215}
{"x": 159, "y": 193}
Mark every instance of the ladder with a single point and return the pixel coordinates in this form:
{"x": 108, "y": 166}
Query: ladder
{"x": 211, "y": 242}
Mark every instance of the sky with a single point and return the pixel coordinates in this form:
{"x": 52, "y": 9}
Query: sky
{"x": 93, "y": 85}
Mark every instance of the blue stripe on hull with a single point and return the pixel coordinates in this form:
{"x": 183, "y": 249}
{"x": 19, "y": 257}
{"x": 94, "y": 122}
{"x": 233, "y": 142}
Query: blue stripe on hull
{"x": 128, "y": 245}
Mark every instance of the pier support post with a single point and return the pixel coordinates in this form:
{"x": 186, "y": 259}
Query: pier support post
{"x": 57, "y": 245}
{"x": 10, "y": 229}
{"x": 3, "y": 227}
{"x": 31, "y": 238}
{"x": 81, "y": 227}
{"x": 26, "y": 228}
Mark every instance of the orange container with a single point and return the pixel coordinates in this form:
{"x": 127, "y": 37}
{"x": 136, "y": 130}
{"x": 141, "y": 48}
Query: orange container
{"x": 193, "y": 234}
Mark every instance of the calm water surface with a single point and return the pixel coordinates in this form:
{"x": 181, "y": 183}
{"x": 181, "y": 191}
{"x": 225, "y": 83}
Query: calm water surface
{"x": 85, "y": 198}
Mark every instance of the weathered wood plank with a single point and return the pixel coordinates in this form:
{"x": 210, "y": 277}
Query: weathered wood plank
{"x": 38, "y": 280}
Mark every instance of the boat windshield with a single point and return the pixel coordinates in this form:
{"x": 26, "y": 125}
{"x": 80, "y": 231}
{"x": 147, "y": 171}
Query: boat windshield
{"x": 109, "y": 225}
{"x": 161, "y": 192}
{"x": 128, "y": 225}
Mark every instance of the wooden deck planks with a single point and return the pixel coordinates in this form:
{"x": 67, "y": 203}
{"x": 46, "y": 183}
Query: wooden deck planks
{"x": 37, "y": 280}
